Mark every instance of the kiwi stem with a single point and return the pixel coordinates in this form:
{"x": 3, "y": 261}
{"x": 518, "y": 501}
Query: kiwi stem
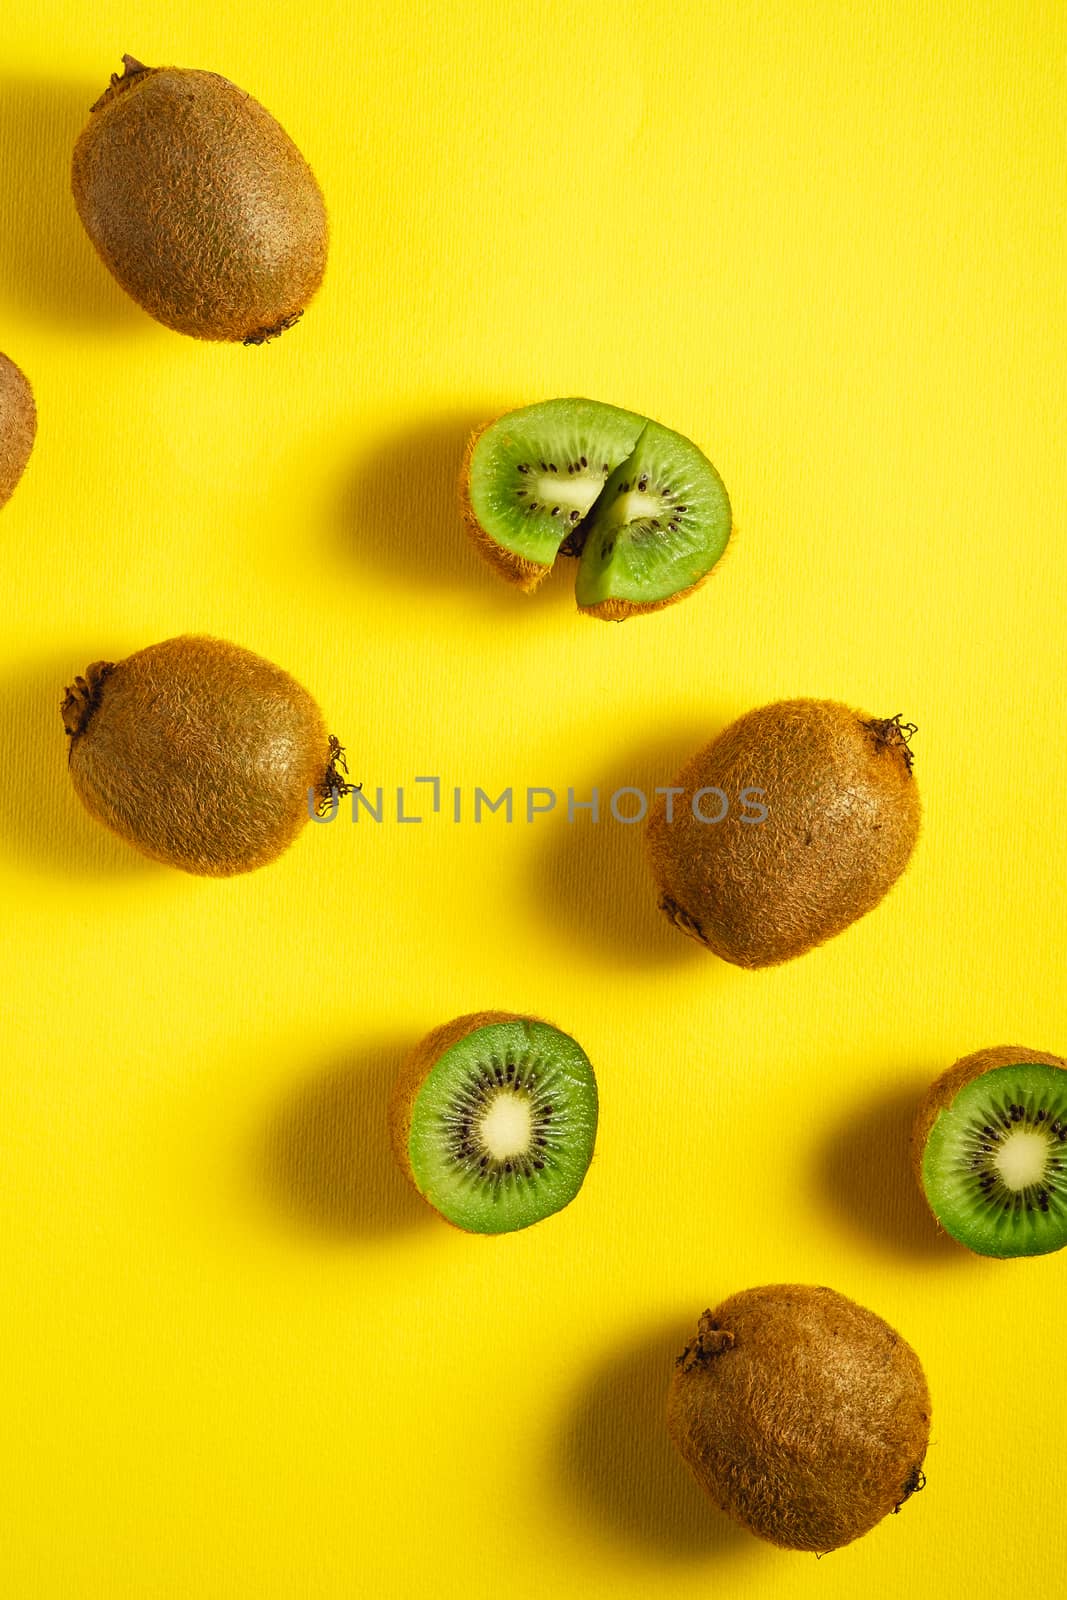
{"x": 711, "y": 1340}
{"x": 133, "y": 71}
{"x": 265, "y": 335}
{"x": 333, "y": 784}
{"x": 683, "y": 921}
{"x": 916, "y": 1481}
{"x": 83, "y": 696}
{"x": 894, "y": 733}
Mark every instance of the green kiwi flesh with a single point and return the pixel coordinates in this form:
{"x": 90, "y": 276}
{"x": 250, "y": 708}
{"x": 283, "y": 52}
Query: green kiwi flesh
{"x": 200, "y": 204}
{"x": 659, "y": 525}
{"x": 199, "y": 753}
{"x": 18, "y": 426}
{"x": 502, "y": 1123}
{"x": 842, "y": 817}
{"x": 994, "y": 1160}
{"x": 641, "y": 507}
{"x": 801, "y": 1414}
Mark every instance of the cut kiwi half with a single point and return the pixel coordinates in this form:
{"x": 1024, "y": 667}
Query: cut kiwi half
{"x": 642, "y": 508}
{"x": 494, "y": 1119}
{"x": 990, "y": 1149}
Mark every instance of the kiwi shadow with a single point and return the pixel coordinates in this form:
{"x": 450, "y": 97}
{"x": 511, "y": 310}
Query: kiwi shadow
{"x": 618, "y": 1469}
{"x": 324, "y": 1159}
{"x": 592, "y": 879}
{"x": 864, "y": 1170}
{"x": 47, "y": 264}
{"x": 43, "y": 824}
{"x": 398, "y": 512}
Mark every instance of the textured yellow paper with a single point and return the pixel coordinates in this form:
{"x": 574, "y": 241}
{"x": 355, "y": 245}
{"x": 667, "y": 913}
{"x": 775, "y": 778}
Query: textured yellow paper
{"x": 825, "y": 240}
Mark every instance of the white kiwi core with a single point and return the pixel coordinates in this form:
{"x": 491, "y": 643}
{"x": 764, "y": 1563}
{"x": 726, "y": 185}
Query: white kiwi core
{"x": 571, "y": 492}
{"x": 506, "y": 1128}
{"x": 1022, "y": 1159}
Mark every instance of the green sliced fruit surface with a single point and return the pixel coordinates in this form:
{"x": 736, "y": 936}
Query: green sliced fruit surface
{"x": 534, "y": 473}
{"x": 659, "y": 525}
{"x": 994, "y": 1167}
{"x": 503, "y": 1128}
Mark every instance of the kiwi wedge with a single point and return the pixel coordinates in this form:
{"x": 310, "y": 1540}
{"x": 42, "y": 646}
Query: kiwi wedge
{"x": 494, "y": 1118}
{"x": 801, "y": 1414}
{"x": 841, "y": 820}
{"x": 655, "y": 531}
{"x": 200, "y": 204}
{"x": 199, "y": 753}
{"x": 18, "y": 426}
{"x": 990, "y": 1151}
{"x": 642, "y": 509}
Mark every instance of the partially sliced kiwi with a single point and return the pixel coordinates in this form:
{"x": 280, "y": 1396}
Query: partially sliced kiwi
{"x": 532, "y": 475}
{"x": 494, "y": 1119}
{"x": 643, "y": 509}
{"x": 991, "y": 1151}
{"x": 658, "y": 527}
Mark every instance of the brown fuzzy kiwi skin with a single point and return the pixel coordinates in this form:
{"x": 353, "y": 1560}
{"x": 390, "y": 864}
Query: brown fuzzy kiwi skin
{"x": 18, "y": 426}
{"x": 198, "y": 753}
{"x": 944, "y": 1090}
{"x": 516, "y": 570}
{"x": 843, "y": 820}
{"x": 801, "y": 1414}
{"x": 199, "y": 203}
{"x": 413, "y": 1074}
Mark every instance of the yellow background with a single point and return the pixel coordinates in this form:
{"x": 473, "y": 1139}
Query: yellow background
{"x": 825, "y": 240}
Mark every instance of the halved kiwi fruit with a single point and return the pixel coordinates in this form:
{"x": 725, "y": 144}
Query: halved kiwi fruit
{"x": 200, "y": 204}
{"x": 841, "y": 820}
{"x": 18, "y": 426}
{"x": 990, "y": 1151}
{"x": 199, "y": 753}
{"x": 801, "y": 1414}
{"x": 494, "y": 1118}
{"x": 640, "y": 506}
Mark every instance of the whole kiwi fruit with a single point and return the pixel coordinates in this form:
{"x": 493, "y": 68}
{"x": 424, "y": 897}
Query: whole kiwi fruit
{"x": 989, "y": 1148}
{"x": 199, "y": 753}
{"x": 801, "y": 1414}
{"x": 18, "y": 426}
{"x": 840, "y": 820}
{"x": 200, "y": 204}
